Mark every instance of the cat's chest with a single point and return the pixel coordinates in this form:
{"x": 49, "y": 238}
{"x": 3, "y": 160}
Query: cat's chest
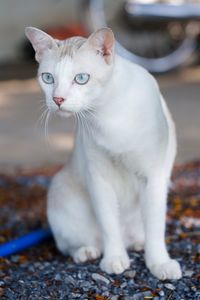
{"x": 115, "y": 134}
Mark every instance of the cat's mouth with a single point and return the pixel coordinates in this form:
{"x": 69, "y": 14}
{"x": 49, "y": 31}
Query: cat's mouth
{"x": 69, "y": 110}
{"x": 64, "y": 112}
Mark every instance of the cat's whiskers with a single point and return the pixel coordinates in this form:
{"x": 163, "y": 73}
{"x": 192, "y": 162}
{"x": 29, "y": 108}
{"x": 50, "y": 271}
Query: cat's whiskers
{"x": 44, "y": 119}
{"x": 42, "y": 100}
{"x": 92, "y": 113}
{"x": 46, "y": 124}
{"x": 42, "y": 116}
{"x": 42, "y": 107}
{"x": 85, "y": 122}
{"x": 79, "y": 122}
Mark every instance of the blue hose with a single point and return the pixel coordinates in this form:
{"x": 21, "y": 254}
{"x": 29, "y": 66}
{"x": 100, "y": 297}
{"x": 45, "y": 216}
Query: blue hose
{"x": 30, "y": 239}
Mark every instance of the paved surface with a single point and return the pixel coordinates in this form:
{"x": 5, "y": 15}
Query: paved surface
{"x": 22, "y": 138}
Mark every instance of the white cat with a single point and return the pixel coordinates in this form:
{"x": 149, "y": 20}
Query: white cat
{"x": 112, "y": 194}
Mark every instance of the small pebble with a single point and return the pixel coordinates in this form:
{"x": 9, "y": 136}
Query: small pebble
{"x": 75, "y": 295}
{"x": 129, "y": 274}
{"x": 47, "y": 264}
{"x": 170, "y": 286}
{"x": 123, "y": 285}
{"x": 115, "y": 297}
{"x": 104, "y": 287}
{"x": 188, "y": 273}
{"x": 37, "y": 264}
{"x": 106, "y": 294}
{"x": 197, "y": 295}
{"x": 70, "y": 280}
{"x": 84, "y": 284}
{"x": 58, "y": 277}
{"x": 31, "y": 269}
{"x": 80, "y": 275}
{"x": 98, "y": 277}
{"x": 142, "y": 295}
{"x": 15, "y": 258}
{"x": 2, "y": 283}
{"x": 161, "y": 293}
{"x": 21, "y": 281}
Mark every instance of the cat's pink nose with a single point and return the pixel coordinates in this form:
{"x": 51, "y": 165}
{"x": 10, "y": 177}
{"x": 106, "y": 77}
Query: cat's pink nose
{"x": 58, "y": 100}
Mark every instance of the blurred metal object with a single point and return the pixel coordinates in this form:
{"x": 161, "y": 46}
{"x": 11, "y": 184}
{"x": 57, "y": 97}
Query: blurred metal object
{"x": 165, "y": 34}
{"x": 175, "y": 10}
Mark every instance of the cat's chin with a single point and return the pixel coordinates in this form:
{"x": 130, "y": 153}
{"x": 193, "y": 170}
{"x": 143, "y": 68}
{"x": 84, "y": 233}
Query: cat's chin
{"x": 63, "y": 113}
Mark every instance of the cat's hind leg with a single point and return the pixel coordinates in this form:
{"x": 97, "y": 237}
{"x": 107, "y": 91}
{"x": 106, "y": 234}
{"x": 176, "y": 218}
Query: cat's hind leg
{"x": 72, "y": 220}
{"x": 134, "y": 230}
{"x": 132, "y": 223}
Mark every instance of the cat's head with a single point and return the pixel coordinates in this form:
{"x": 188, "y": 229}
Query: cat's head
{"x": 73, "y": 73}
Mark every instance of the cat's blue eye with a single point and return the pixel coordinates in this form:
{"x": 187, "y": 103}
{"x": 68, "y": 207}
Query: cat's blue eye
{"x": 47, "y": 78}
{"x": 82, "y": 78}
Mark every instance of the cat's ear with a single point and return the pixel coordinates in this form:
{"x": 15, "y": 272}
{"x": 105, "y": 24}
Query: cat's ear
{"x": 40, "y": 41}
{"x": 102, "y": 41}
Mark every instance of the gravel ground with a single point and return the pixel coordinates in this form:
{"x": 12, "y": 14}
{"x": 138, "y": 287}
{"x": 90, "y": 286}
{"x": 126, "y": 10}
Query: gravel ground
{"x": 43, "y": 273}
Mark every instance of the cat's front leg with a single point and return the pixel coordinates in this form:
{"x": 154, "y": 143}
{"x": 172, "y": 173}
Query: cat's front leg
{"x": 115, "y": 259}
{"x": 153, "y": 201}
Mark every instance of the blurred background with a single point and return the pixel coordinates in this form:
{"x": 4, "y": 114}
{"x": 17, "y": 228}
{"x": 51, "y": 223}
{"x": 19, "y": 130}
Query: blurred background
{"x": 163, "y": 36}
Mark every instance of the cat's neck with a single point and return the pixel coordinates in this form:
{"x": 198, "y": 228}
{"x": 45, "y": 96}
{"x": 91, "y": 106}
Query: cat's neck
{"x": 117, "y": 80}
{"x": 116, "y": 86}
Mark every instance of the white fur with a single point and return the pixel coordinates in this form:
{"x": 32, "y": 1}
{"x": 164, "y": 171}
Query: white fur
{"x": 112, "y": 194}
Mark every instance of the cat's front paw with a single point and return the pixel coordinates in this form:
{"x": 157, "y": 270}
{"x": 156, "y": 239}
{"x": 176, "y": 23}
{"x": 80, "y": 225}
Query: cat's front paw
{"x": 115, "y": 264}
{"x": 169, "y": 270}
{"x": 86, "y": 253}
